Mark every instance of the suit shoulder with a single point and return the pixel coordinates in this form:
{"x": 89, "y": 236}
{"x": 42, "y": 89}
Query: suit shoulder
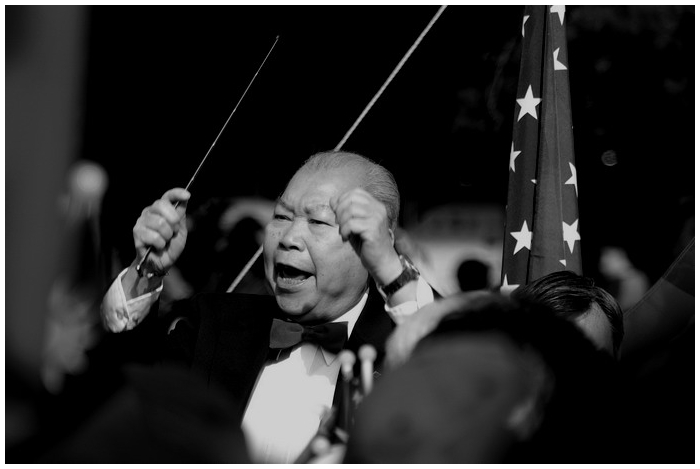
{"x": 238, "y": 300}
{"x": 228, "y": 309}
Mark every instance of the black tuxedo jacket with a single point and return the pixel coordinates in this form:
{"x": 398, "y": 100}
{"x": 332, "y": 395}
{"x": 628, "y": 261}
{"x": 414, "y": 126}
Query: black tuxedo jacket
{"x": 225, "y": 337}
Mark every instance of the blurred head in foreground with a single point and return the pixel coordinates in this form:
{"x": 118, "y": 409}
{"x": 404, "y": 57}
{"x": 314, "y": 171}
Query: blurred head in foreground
{"x": 159, "y": 416}
{"x": 486, "y": 380}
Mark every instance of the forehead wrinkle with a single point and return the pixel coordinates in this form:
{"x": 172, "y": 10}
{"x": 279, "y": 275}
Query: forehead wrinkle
{"x": 284, "y": 204}
{"x": 308, "y": 208}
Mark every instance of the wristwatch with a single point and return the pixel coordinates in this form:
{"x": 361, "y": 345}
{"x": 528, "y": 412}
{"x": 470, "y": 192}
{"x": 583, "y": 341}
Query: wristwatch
{"x": 409, "y": 274}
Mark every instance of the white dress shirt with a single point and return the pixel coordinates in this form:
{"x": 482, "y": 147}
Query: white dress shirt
{"x": 285, "y": 410}
{"x": 290, "y": 396}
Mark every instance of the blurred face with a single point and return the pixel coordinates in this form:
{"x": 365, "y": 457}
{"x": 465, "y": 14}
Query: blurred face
{"x": 314, "y": 274}
{"x": 613, "y": 262}
{"x": 597, "y": 328}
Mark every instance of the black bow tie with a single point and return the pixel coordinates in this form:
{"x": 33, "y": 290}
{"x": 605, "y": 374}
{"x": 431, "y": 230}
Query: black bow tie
{"x": 285, "y": 335}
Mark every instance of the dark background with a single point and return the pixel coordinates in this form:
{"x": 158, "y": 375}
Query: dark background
{"x": 161, "y": 81}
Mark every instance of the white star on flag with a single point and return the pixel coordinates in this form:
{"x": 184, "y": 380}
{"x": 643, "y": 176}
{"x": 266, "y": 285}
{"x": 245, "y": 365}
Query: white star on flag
{"x": 523, "y": 238}
{"x": 513, "y": 155}
{"x": 571, "y": 234}
{"x": 559, "y": 10}
{"x": 558, "y": 65}
{"x": 573, "y": 180}
{"x": 507, "y": 289}
{"x": 528, "y": 104}
{"x": 524, "y": 21}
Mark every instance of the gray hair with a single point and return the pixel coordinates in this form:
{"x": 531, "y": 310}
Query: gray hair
{"x": 377, "y": 180}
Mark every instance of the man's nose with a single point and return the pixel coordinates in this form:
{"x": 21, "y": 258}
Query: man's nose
{"x": 293, "y": 237}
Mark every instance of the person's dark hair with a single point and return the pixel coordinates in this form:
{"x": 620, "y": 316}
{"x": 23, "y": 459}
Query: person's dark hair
{"x": 571, "y": 296}
{"x": 378, "y": 181}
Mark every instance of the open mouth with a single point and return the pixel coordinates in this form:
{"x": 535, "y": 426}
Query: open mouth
{"x": 288, "y": 276}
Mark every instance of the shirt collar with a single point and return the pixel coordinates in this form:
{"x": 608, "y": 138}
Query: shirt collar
{"x": 351, "y": 317}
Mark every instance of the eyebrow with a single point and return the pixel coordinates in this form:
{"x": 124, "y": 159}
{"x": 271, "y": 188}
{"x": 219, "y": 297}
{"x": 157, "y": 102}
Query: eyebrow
{"x": 284, "y": 204}
{"x": 318, "y": 208}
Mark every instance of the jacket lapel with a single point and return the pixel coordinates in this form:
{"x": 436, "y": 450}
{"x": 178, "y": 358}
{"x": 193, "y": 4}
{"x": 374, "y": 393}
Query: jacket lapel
{"x": 373, "y": 327}
{"x": 232, "y": 342}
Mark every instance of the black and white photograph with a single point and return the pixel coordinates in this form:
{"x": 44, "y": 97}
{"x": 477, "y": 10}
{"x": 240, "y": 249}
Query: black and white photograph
{"x": 357, "y": 233}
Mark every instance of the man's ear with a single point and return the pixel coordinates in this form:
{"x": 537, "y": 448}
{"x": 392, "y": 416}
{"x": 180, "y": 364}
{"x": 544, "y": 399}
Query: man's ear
{"x": 393, "y": 237}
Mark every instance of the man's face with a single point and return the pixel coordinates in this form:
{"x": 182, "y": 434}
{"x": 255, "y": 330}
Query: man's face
{"x": 314, "y": 274}
{"x": 597, "y": 328}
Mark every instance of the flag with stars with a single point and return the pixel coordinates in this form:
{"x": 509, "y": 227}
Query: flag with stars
{"x": 542, "y": 225}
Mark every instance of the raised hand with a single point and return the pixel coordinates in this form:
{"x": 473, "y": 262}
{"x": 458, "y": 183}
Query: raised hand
{"x": 163, "y": 227}
{"x": 363, "y": 221}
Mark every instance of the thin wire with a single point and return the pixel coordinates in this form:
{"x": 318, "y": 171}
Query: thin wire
{"x": 148, "y": 251}
{"x": 347, "y": 135}
{"x": 232, "y": 113}
{"x": 391, "y": 77}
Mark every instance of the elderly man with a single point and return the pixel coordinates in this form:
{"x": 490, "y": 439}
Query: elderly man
{"x": 329, "y": 259}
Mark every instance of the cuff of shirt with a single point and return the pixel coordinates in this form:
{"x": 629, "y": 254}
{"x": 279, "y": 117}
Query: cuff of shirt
{"x": 118, "y": 313}
{"x": 424, "y": 295}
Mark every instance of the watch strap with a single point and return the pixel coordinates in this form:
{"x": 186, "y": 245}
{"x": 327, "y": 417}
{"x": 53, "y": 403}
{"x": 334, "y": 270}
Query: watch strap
{"x": 408, "y": 274}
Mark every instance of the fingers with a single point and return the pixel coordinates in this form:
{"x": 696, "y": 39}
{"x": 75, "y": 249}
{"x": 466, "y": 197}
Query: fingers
{"x": 160, "y": 221}
{"x": 356, "y": 226}
{"x": 177, "y": 195}
{"x": 171, "y": 206}
{"x": 154, "y": 229}
{"x": 144, "y": 237}
{"x": 356, "y": 212}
